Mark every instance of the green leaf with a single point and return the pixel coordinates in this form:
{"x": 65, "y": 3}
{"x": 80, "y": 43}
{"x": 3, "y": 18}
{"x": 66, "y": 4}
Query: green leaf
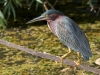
{"x": 14, "y": 2}
{"x": 13, "y": 11}
{"x": 37, "y": 4}
{"x": 40, "y": 1}
{"x": 3, "y": 22}
{"x": 5, "y": 3}
{"x": 6, "y": 8}
{"x": 19, "y": 3}
{"x": 31, "y": 3}
{"x": 90, "y": 3}
{"x": 1, "y": 15}
{"x": 8, "y": 13}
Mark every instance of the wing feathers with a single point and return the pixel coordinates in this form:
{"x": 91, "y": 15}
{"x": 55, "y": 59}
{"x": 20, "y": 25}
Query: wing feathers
{"x": 72, "y": 36}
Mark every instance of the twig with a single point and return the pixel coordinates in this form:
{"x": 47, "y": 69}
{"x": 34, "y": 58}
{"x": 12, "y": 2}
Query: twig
{"x": 55, "y": 3}
{"x": 92, "y": 9}
{"x": 28, "y": 3}
{"x": 49, "y": 4}
{"x": 46, "y": 2}
{"x": 98, "y": 12}
{"x": 45, "y": 5}
{"x": 48, "y": 56}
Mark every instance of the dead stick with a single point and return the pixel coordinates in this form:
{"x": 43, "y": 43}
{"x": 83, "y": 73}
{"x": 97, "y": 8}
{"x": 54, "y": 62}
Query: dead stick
{"x": 48, "y": 56}
{"x": 98, "y": 11}
{"x": 55, "y": 3}
{"x": 46, "y": 2}
{"x": 49, "y": 4}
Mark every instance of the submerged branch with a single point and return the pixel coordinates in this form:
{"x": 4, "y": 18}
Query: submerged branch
{"x": 49, "y": 56}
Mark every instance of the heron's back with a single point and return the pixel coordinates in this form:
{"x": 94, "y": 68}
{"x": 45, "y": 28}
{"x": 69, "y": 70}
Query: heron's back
{"x": 72, "y": 36}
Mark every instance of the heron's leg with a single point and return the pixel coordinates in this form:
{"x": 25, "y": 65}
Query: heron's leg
{"x": 65, "y": 55}
{"x": 78, "y": 61}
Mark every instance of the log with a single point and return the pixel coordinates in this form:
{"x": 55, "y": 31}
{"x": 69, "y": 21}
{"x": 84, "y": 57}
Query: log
{"x": 49, "y": 56}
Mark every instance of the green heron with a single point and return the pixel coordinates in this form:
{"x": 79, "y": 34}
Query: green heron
{"x": 67, "y": 31}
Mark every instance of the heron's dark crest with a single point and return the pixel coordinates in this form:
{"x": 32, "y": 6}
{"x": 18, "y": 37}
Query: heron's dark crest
{"x": 52, "y": 11}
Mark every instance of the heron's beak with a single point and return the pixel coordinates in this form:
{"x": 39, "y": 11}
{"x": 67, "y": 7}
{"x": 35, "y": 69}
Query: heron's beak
{"x": 38, "y": 19}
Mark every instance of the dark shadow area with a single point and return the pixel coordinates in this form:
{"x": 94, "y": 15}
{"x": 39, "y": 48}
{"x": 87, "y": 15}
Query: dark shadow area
{"x": 75, "y": 10}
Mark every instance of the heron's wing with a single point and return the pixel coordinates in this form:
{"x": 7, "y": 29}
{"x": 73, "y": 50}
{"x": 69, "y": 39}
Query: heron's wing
{"x": 72, "y": 36}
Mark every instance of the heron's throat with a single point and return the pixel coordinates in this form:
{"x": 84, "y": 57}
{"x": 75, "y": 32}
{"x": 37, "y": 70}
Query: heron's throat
{"x": 52, "y": 26}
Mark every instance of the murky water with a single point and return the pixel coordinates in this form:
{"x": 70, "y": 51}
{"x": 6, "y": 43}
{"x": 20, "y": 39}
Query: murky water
{"x": 41, "y": 39}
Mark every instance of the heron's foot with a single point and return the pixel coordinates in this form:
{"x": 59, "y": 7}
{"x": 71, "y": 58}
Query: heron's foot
{"x": 65, "y": 55}
{"x": 79, "y": 60}
{"x": 62, "y": 57}
{"x": 61, "y": 60}
{"x": 77, "y": 64}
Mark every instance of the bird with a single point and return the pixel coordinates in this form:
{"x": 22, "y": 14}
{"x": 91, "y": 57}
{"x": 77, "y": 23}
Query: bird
{"x": 68, "y": 32}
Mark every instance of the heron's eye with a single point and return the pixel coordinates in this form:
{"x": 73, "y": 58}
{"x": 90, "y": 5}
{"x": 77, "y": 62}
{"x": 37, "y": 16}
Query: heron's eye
{"x": 46, "y": 15}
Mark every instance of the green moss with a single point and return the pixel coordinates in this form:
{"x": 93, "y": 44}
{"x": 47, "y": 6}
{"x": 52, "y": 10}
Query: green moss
{"x": 40, "y": 38}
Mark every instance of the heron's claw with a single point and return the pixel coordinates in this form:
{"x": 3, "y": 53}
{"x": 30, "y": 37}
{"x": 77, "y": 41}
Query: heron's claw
{"x": 61, "y": 60}
{"x": 77, "y": 64}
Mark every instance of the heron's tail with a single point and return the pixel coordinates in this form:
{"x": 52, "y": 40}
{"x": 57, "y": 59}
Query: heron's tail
{"x": 86, "y": 58}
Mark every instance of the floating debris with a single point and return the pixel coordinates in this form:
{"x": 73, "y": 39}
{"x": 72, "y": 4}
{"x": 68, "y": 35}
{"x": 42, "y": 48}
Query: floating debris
{"x": 97, "y": 61}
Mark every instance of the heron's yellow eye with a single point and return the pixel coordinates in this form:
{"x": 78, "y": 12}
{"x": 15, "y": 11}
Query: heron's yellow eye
{"x": 46, "y": 15}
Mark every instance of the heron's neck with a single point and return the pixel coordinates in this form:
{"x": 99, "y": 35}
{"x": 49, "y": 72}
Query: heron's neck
{"x": 52, "y": 27}
{"x": 52, "y": 24}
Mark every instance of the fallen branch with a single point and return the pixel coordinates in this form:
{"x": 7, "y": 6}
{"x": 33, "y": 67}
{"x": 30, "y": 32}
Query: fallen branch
{"x": 48, "y": 56}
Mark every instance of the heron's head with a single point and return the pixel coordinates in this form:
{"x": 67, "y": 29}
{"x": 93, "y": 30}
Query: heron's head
{"x": 48, "y": 15}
